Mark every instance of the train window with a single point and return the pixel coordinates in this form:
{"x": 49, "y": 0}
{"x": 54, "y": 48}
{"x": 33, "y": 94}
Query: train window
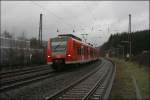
{"x": 91, "y": 53}
{"x": 82, "y": 51}
{"x": 79, "y": 51}
{"x": 59, "y": 47}
{"x": 86, "y": 51}
{"x": 74, "y": 45}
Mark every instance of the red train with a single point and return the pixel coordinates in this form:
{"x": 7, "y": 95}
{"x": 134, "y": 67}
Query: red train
{"x": 69, "y": 49}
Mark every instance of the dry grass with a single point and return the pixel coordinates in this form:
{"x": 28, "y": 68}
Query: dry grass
{"x": 123, "y": 88}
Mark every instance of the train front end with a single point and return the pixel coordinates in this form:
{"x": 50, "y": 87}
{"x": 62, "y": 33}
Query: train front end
{"x": 57, "y": 52}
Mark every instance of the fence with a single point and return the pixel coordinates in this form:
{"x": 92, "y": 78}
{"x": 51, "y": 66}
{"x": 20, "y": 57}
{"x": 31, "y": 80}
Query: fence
{"x": 18, "y": 52}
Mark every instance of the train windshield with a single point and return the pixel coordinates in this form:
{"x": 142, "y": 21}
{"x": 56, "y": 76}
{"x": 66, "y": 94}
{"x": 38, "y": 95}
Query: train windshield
{"x": 59, "y": 46}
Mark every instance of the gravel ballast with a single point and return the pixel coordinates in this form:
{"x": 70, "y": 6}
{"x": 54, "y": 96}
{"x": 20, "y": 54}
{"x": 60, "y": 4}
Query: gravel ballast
{"x": 41, "y": 89}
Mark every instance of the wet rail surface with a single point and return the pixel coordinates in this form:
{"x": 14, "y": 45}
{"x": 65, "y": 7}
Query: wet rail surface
{"x": 16, "y": 78}
{"x": 94, "y": 85}
{"x": 20, "y": 71}
{"x": 40, "y": 89}
{"x": 26, "y": 76}
{"x": 92, "y": 89}
{"x": 10, "y": 80}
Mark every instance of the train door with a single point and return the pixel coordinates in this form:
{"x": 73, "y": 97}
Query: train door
{"x": 82, "y": 53}
{"x": 75, "y": 49}
{"x": 88, "y": 53}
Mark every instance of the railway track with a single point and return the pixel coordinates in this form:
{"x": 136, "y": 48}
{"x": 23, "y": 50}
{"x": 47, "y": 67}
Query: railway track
{"x": 21, "y": 71}
{"x": 17, "y": 78}
{"x": 94, "y": 85}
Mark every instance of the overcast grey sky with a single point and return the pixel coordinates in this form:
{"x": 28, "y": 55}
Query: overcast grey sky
{"x": 98, "y": 19}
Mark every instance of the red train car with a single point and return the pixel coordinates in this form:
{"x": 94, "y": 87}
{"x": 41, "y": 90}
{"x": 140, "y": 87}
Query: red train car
{"x": 69, "y": 49}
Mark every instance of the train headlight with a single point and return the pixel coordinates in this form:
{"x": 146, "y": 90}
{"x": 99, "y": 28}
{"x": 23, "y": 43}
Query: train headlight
{"x": 49, "y": 56}
{"x": 69, "y": 55}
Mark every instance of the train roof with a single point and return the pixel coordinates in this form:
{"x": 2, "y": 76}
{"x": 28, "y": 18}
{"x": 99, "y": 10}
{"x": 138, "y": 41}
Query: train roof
{"x": 70, "y": 35}
{"x": 66, "y": 36}
{"x": 84, "y": 43}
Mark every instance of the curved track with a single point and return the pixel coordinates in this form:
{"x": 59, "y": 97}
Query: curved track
{"x": 94, "y": 85}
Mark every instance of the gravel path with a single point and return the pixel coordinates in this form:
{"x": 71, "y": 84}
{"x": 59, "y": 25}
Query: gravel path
{"x": 43, "y": 88}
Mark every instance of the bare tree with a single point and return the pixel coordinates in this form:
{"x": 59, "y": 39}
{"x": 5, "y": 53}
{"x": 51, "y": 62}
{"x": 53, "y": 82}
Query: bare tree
{"x": 6, "y": 34}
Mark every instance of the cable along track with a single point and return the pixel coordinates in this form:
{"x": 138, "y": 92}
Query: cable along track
{"x": 93, "y": 85}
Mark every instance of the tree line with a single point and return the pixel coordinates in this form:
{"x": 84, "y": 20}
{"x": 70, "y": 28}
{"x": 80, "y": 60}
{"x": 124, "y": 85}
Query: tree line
{"x": 139, "y": 42}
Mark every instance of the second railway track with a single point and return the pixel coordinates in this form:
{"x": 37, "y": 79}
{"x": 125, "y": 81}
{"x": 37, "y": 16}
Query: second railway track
{"x": 22, "y": 71}
{"x": 94, "y": 85}
{"x": 14, "y": 79}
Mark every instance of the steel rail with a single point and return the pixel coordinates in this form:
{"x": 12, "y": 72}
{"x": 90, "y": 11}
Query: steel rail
{"x": 26, "y": 76}
{"x": 108, "y": 90}
{"x": 19, "y": 71}
{"x": 54, "y": 96}
{"x": 79, "y": 90}
{"x": 96, "y": 86}
{"x": 102, "y": 88}
{"x": 24, "y": 82}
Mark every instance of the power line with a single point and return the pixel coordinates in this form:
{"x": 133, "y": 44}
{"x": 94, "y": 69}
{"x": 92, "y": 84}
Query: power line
{"x": 84, "y": 36}
{"x": 91, "y": 13}
{"x": 46, "y": 10}
{"x": 60, "y": 18}
{"x": 92, "y": 16}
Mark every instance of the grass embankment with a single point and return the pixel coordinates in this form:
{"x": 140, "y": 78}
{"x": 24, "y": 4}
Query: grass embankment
{"x": 123, "y": 87}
